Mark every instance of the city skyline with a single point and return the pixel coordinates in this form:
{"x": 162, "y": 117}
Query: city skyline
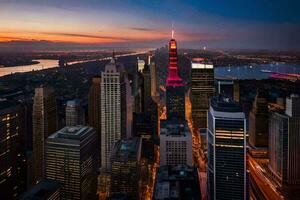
{"x": 239, "y": 25}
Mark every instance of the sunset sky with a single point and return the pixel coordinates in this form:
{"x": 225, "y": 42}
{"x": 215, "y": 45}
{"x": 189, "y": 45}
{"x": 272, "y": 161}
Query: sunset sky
{"x": 261, "y": 24}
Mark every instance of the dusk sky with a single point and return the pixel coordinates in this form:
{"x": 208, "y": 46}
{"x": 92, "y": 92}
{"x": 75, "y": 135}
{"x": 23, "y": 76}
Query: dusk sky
{"x": 237, "y": 24}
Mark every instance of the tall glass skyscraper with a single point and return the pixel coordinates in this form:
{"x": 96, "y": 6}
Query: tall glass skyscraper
{"x": 202, "y": 88}
{"x": 226, "y": 150}
{"x": 284, "y": 146}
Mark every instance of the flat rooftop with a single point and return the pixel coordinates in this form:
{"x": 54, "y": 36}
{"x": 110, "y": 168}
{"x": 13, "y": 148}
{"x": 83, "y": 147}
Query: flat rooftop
{"x": 127, "y": 149}
{"x": 71, "y": 132}
{"x": 225, "y": 104}
{"x": 43, "y": 190}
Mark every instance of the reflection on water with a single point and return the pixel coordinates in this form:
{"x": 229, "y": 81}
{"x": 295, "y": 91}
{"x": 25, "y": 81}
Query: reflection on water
{"x": 44, "y": 64}
{"x": 255, "y": 71}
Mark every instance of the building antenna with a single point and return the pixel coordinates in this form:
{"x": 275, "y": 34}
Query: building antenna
{"x": 172, "y": 30}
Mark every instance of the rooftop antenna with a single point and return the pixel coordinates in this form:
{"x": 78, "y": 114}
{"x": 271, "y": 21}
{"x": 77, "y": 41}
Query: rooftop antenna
{"x": 172, "y": 30}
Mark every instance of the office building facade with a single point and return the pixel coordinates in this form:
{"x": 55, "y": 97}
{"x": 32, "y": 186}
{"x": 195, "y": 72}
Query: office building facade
{"x": 125, "y": 168}
{"x": 284, "y": 146}
{"x": 110, "y": 111}
{"x": 12, "y": 151}
{"x": 202, "y": 88}
{"x": 75, "y": 114}
{"x": 44, "y": 119}
{"x": 175, "y": 143}
{"x": 72, "y": 160}
{"x": 226, "y": 166}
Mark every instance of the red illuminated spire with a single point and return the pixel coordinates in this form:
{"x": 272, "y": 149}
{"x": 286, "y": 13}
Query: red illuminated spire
{"x": 173, "y": 78}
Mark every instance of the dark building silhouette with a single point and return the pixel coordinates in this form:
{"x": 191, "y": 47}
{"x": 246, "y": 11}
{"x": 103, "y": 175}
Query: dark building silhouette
{"x": 177, "y": 182}
{"x": 12, "y": 150}
{"x": 44, "y": 120}
{"x": 44, "y": 190}
{"x": 258, "y": 121}
{"x": 94, "y": 108}
{"x": 125, "y": 168}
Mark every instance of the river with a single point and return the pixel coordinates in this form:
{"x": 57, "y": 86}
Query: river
{"x": 44, "y": 64}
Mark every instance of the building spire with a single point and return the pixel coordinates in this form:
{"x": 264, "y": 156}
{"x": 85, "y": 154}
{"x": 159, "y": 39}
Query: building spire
{"x": 172, "y": 30}
{"x": 113, "y": 58}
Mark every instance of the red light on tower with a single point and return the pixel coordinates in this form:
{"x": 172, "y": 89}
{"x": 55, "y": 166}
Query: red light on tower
{"x": 173, "y": 78}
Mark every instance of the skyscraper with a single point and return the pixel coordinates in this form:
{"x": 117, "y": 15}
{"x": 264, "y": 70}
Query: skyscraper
{"x": 146, "y": 87}
{"x": 44, "y": 119}
{"x": 175, "y": 143}
{"x": 258, "y": 121}
{"x": 125, "y": 170}
{"x": 72, "y": 160}
{"x": 284, "y": 146}
{"x": 126, "y": 105}
{"x": 202, "y": 88}
{"x": 94, "y": 108}
{"x": 74, "y": 113}
{"x": 153, "y": 79}
{"x": 175, "y": 90}
{"x": 226, "y": 173}
{"x": 12, "y": 150}
{"x": 110, "y": 111}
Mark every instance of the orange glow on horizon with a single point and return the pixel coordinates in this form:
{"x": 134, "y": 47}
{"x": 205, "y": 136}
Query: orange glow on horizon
{"x": 109, "y": 36}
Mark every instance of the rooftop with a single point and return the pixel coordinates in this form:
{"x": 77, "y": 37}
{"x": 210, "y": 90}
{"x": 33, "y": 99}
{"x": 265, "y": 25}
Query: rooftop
{"x": 225, "y": 104}
{"x": 127, "y": 149}
{"x": 177, "y": 182}
{"x": 43, "y": 190}
{"x": 72, "y": 132}
{"x": 4, "y": 104}
{"x": 174, "y": 127}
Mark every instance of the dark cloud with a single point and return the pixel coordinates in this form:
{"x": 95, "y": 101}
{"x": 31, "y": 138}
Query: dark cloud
{"x": 142, "y": 29}
{"x": 83, "y": 35}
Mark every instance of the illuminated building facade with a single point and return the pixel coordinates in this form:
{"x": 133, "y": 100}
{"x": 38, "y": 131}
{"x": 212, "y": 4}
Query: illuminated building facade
{"x": 74, "y": 113}
{"x": 125, "y": 168}
{"x": 141, "y": 64}
{"x": 226, "y": 173}
{"x": 110, "y": 112}
{"x": 284, "y": 146}
{"x": 44, "y": 120}
{"x": 175, "y": 89}
{"x": 94, "y": 108}
{"x": 258, "y": 121}
{"x": 202, "y": 88}
{"x": 72, "y": 160}
{"x": 175, "y": 143}
{"x": 12, "y": 151}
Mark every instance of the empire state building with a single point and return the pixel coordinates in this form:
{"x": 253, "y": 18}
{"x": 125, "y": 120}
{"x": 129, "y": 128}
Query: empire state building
{"x": 175, "y": 90}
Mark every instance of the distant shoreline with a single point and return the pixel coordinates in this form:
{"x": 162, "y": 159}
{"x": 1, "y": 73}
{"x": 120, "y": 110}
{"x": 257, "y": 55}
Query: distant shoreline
{"x": 25, "y": 63}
